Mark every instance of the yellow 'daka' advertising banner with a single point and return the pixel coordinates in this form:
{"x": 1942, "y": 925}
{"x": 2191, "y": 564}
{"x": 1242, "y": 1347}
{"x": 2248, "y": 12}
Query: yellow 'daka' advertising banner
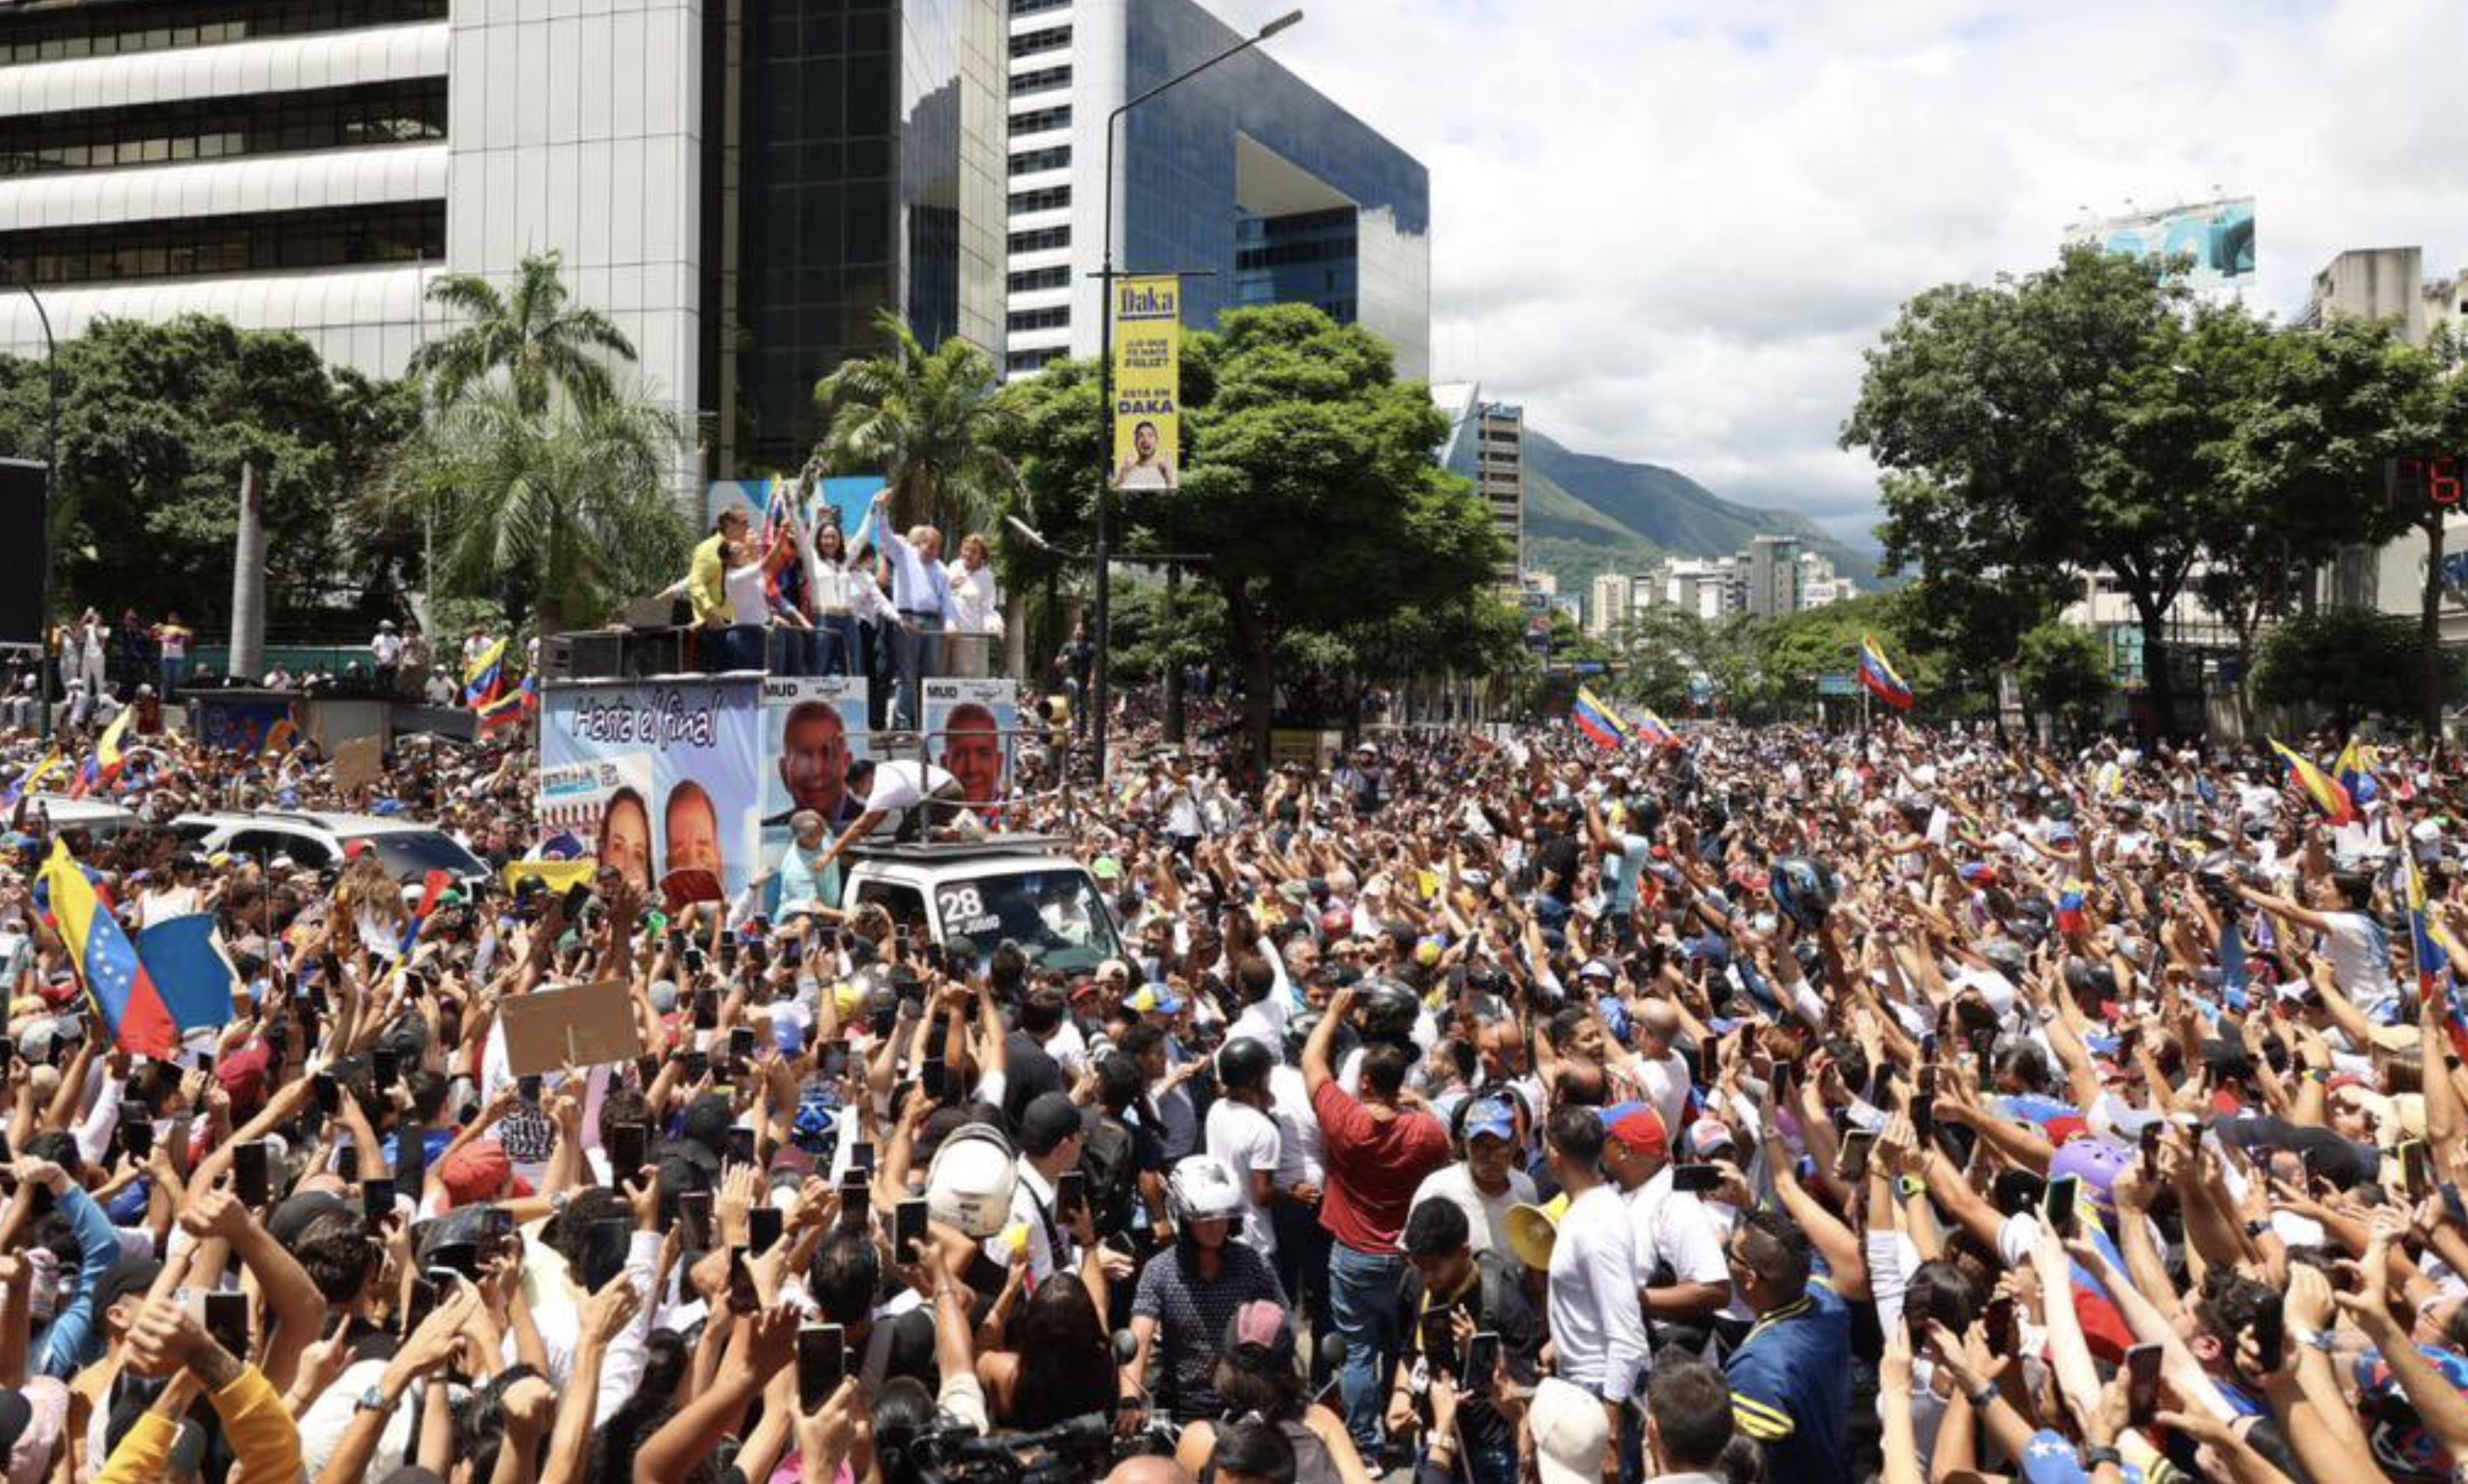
{"x": 1147, "y": 357}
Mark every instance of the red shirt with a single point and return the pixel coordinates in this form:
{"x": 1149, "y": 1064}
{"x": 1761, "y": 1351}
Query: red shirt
{"x": 1374, "y": 1167}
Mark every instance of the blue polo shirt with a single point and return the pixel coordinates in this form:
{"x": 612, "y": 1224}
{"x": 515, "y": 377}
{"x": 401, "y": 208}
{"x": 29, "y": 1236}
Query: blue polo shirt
{"x": 1790, "y": 1388}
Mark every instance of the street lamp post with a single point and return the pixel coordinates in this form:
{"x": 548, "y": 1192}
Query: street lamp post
{"x": 1098, "y": 688}
{"x": 51, "y": 496}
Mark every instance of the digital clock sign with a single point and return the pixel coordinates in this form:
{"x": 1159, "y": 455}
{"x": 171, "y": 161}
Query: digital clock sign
{"x": 2424, "y": 479}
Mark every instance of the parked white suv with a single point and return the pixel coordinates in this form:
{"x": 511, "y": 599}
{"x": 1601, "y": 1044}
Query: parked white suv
{"x": 1018, "y": 887}
{"x": 316, "y": 840}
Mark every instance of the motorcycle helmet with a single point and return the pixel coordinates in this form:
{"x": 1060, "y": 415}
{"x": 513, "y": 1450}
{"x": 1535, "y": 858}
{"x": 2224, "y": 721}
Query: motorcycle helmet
{"x": 1245, "y": 1062}
{"x": 970, "y": 1183}
{"x": 1388, "y": 1011}
{"x": 1201, "y": 1189}
{"x": 1804, "y": 889}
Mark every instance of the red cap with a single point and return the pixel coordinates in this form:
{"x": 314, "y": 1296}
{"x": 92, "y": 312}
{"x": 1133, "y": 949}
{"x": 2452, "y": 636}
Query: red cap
{"x": 1642, "y": 1131}
{"x": 476, "y": 1173}
{"x": 243, "y": 1074}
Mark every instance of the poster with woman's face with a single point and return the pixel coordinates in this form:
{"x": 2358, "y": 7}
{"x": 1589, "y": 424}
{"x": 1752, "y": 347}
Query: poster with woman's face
{"x": 662, "y": 777}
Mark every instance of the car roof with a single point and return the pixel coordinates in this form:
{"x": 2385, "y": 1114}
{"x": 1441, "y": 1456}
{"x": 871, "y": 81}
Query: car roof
{"x": 347, "y": 826}
{"x": 60, "y": 807}
{"x": 906, "y": 868}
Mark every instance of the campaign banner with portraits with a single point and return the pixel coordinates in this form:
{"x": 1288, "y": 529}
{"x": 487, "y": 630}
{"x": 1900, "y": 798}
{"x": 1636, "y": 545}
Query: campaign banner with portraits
{"x": 968, "y": 734}
{"x": 662, "y": 778}
{"x": 813, "y": 727}
{"x": 1147, "y": 381}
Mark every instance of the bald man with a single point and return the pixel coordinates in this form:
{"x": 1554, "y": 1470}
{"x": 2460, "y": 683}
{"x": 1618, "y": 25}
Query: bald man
{"x": 1659, "y": 1066}
{"x": 1150, "y": 1469}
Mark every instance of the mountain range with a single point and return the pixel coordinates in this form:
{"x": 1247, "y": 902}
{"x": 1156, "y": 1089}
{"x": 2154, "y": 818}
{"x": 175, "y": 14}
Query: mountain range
{"x": 1587, "y": 514}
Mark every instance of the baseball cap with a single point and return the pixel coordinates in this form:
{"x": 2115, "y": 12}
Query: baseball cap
{"x": 1642, "y": 1130}
{"x": 475, "y": 1173}
{"x": 1261, "y": 1324}
{"x": 1570, "y": 1432}
{"x": 1709, "y": 1136}
{"x": 1490, "y": 1116}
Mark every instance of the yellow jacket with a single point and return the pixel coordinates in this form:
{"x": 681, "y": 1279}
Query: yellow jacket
{"x": 707, "y": 582}
{"x": 262, "y": 1436}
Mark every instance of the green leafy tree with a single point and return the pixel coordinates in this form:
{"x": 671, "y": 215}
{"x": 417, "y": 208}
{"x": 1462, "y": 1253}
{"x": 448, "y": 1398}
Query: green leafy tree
{"x": 156, "y": 421}
{"x": 2065, "y": 672}
{"x": 2068, "y": 421}
{"x": 2351, "y": 662}
{"x": 1657, "y": 650}
{"x": 561, "y": 514}
{"x": 533, "y": 336}
{"x": 933, "y": 423}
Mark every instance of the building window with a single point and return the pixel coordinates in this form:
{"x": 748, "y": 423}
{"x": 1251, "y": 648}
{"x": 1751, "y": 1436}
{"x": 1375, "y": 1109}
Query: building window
{"x": 1021, "y": 363}
{"x": 222, "y": 128}
{"x": 1037, "y": 81}
{"x": 1037, "y": 121}
{"x": 1048, "y": 199}
{"x": 1020, "y": 8}
{"x": 1030, "y": 280}
{"x": 1029, "y": 162}
{"x": 260, "y": 243}
{"x": 1030, "y": 42}
{"x": 1043, "y": 241}
{"x": 1039, "y": 319}
{"x": 64, "y": 33}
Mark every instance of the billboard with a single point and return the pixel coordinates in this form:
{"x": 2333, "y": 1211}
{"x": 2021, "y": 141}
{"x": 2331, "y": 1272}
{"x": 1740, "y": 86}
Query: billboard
{"x": 968, "y": 728}
{"x": 847, "y": 495}
{"x": 662, "y": 777}
{"x": 1148, "y": 383}
{"x": 2218, "y": 235}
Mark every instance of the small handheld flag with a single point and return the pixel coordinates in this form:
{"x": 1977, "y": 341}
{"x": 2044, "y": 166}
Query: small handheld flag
{"x": 2355, "y": 771}
{"x": 1597, "y": 720}
{"x": 28, "y": 780}
{"x": 1655, "y": 731}
{"x": 1877, "y": 674}
{"x": 2321, "y": 787}
{"x": 108, "y": 760}
{"x": 484, "y": 679}
{"x": 106, "y": 961}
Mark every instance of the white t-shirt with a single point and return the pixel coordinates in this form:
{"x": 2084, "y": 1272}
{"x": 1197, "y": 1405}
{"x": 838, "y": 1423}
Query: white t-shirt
{"x": 1667, "y": 1082}
{"x": 2360, "y": 954}
{"x": 1244, "y": 1139}
{"x": 1672, "y": 1228}
{"x": 749, "y": 597}
{"x": 1302, "y": 1152}
{"x": 1486, "y": 1216}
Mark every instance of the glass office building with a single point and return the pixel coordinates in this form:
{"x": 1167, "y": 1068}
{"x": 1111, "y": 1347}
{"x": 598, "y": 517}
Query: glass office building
{"x": 1246, "y": 174}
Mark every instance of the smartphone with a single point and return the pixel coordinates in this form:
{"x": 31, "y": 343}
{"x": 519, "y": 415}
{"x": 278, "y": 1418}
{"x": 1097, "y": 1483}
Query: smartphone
{"x": 630, "y": 1146}
{"x": 1710, "y": 1057}
{"x": 1923, "y": 1112}
{"x": 695, "y": 962}
{"x": 693, "y": 1210}
{"x": 2141, "y": 1384}
{"x": 1998, "y": 1317}
{"x": 695, "y": 1065}
{"x": 742, "y": 1296}
{"x": 385, "y": 1068}
{"x": 740, "y": 1043}
{"x": 227, "y": 1322}
{"x": 728, "y": 947}
{"x": 1438, "y": 1342}
{"x": 1927, "y": 1085}
{"x": 460, "y": 1258}
{"x": 909, "y": 1230}
{"x": 1481, "y": 1361}
{"x": 577, "y": 897}
{"x": 2416, "y": 1170}
{"x": 424, "y": 1299}
{"x": 1070, "y": 1196}
{"x": 136, "y": 1136}
{"x": 2058, "y": 1203}
{"x": 605, "y": 1245}
{"x": 706, "y": 1008}
{"x": 411, "y": 1155}
{"x": 857, "y": 1199}
{"x": 1697, "y": 1179}
{"x": 821, "y": 1364}
{"x": 933, "y": 1079}
{"x": 764, "y": 1226}
{"x": 2270, "y": 1336}
{"x": 528, "y": 1089}
{"x": 1853, "y": 1167}
{"x": 7, "y": 1050}
{"x": 741, "y": 1145}
{"x": 2151, "y": 1133}
{"x": 376, "y": 1199}
{"x": 249, "y": 1173}
{"x": 329, "y": 1093}
{"x": 861, "y": 1157}
{"x": 347, "y": 1164}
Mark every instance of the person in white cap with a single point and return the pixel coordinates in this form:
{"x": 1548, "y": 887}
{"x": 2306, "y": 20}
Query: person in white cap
{"x": 1571, "y": 1433}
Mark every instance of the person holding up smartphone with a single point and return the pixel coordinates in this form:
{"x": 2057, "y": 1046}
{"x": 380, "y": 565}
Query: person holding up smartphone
{"x": 1473, "y": 1296}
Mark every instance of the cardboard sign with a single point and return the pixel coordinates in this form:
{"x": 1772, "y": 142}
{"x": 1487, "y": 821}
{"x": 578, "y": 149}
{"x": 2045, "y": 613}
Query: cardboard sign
{"x": 584, "y": 1024}
{"x": 357, "y": 762}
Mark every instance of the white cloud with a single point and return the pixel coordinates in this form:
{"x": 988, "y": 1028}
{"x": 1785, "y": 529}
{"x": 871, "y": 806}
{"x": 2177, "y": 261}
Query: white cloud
{"x": 1670, "y": 227}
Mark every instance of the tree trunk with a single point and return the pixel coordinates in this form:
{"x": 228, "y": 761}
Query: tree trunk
{"x": 2429, "y": 633}
{"x": 2158, "y": 682}
{"x": 1259, "y": 671}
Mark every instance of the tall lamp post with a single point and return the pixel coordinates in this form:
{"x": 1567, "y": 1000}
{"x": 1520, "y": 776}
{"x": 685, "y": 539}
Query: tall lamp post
{"x": 1097, "y": 698}
{"x": 51, "y": 495}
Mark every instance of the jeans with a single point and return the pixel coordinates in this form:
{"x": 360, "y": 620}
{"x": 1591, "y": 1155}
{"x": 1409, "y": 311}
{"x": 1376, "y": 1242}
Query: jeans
{"x": 791, "y": 650}
{"x": 837, "y": 651}
{"x": 1363, "y": 1293}
{"x": 736, "y": 647}
{"x": 915, "y": 647}
{"x": 176, "y": 672}
{"x": 1302, "y": 1270}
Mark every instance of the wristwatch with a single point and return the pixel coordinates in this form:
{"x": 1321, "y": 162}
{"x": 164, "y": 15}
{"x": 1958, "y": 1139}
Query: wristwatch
{"x": 1909, "y": 1185}
{"x": 1984, "y": 1397}
{"x": 373, "y": 1399}
{"x": 2320, "y": 1339}
{"x": 2256, "y": 1228}
{"x": 2094, "y": 1457}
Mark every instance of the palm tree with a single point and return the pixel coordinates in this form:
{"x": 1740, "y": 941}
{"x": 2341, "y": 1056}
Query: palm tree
{"x": 566, "y": 512}
{"x": 926, "y": 422}
{"x": 543, "y": 343}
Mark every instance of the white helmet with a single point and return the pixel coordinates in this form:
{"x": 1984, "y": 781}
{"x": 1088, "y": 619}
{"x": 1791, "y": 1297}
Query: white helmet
{"x": 1201, "y": 1189}
{"x": 970, "y": 1183}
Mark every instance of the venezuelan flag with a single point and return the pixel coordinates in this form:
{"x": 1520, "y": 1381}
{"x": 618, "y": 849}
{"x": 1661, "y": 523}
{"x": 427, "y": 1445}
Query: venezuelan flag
{"x": 508, "y": 709}
{"x": 435, "y": 887}
{"x": 2321, "y": 787}
{"x": 1656, "y": 731}
{"x": 2433, "y": 965}
{"x": 2070, "y": 907}
{"x": 282, "y": 736}
{"x": 108, "y": 760}
{"x": 106, "y": 961}
{"x": 2355, "y": 771}
{"x": 28, "y": 780}
{"x": 1597, "y": 720}
{"x": 485, "y": 677}
{"x": 1877, "y": 674}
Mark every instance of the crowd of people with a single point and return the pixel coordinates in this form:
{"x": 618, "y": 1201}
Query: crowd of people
{"x": 1904, "y": 1105}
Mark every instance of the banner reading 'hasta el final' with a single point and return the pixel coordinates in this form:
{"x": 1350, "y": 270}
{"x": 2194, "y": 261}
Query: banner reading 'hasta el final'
{"x": 1147, "y": 357}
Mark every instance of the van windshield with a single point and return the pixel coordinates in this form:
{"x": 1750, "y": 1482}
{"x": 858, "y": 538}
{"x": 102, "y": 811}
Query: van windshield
{"x": 1056, "y": 917}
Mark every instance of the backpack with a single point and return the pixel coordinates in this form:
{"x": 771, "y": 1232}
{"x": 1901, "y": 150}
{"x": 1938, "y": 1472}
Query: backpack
{"x": 1109, "y": 1170}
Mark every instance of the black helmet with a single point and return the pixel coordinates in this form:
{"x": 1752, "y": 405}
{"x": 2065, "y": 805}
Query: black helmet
{"x": 1388, "y": 1011}
{"x": 1245, "y": 1062}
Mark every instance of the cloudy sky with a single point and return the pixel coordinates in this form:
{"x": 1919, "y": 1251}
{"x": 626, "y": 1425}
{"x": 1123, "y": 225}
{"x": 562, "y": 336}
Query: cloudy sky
{"x": 1669, "y": 227}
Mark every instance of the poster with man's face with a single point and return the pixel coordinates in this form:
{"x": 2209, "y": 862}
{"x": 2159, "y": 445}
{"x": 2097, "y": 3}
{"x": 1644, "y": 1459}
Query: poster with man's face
{"x": 661, "y": 778}
{"x": 969, "y": 729}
